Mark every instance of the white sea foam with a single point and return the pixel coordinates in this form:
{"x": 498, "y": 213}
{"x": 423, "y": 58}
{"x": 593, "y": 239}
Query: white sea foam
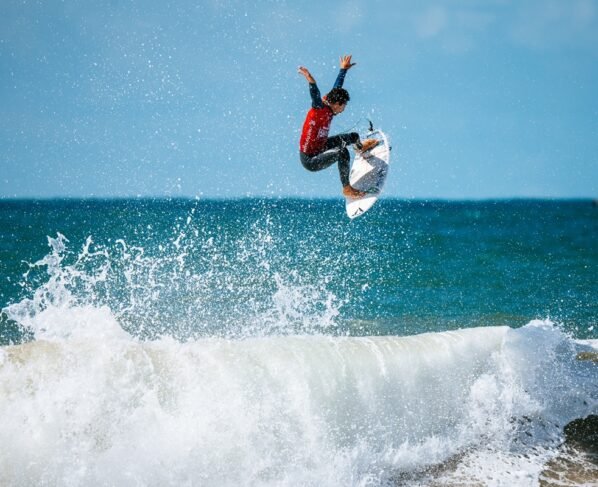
{"x": 96, "y": 406}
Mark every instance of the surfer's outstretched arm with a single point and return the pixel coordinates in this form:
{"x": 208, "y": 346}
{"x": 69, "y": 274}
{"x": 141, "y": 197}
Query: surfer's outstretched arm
{"x": 346, "y": 65}
{"x": 314, "y": 91}
{"x": 305, "y": 72}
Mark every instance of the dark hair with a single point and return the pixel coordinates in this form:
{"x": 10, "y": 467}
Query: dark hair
{"x": 338, "y": 95}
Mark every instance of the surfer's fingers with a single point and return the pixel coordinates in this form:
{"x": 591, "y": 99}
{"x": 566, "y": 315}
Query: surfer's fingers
{"x": 345, "y": 61}
{"x": 304, "y": 71}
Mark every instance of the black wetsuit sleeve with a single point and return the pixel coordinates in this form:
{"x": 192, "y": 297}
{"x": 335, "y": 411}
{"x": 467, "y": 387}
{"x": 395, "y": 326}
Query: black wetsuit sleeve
{"x": 340, "y": 79}
{"x": 316, "y": 97}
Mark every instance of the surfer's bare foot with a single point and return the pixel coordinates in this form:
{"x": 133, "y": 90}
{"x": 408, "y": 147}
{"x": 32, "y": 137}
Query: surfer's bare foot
{"x": 350, "y": 192}
{"x": 368, "y": 144}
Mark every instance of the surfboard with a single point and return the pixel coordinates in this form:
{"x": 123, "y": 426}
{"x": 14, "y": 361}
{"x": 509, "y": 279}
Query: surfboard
{"x": 368, "y": 174}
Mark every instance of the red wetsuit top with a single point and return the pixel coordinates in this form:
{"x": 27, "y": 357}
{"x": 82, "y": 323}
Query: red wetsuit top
{"x": 315, "y": 130}
{"x": 317, "y": 122}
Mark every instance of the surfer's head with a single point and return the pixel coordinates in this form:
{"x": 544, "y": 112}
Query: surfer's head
{"x": 337, "y": 99}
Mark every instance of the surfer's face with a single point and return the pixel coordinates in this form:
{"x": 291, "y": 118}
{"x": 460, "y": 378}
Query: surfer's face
{"x": 337, "y": 107}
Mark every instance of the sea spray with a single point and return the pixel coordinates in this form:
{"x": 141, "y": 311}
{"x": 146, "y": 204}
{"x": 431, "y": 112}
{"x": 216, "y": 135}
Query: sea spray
{"x": 183, "y": 287}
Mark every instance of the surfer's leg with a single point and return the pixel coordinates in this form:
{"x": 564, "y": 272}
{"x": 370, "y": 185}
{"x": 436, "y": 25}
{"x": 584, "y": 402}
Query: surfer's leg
{"x": 319, "y": 161}
{"x": 340, "y": 142}
{"x": 334, "y": 147}
{"x": 328, "y": 158}
{"x": 344, "y": 160}
{"x": 336, "y": 152}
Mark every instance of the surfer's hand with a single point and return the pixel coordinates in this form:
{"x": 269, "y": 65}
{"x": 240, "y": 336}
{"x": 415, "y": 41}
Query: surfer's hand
{"x": 307, "y": 74}
{"x": 346, "y": 63}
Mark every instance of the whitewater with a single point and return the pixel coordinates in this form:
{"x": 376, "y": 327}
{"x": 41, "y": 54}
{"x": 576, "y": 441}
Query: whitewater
{"x": 98, "y": 407}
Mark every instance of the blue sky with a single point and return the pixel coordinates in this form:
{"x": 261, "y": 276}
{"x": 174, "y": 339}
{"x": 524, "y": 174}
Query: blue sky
{"x": 481, "y": 99}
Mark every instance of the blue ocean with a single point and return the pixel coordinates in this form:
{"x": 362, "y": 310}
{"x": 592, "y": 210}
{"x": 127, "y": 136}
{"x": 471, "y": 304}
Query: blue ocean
{"x": 275, "y": 342}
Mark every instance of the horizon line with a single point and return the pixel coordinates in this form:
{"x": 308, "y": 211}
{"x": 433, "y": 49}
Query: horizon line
{"x": 300, "y": 198}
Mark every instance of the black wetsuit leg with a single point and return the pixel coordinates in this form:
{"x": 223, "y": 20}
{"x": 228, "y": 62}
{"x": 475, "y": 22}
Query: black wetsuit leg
{"x": 336, "y": 152}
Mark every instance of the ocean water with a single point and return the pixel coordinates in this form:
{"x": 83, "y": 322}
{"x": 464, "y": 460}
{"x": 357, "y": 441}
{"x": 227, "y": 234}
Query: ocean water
{"x": 276, "y": 342}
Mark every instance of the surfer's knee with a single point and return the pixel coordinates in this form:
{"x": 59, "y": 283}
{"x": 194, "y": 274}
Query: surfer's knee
{"x": 306, "y": 162}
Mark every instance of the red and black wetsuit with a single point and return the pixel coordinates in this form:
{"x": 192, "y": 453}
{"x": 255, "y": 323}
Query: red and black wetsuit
{"x": 317, "y": 151}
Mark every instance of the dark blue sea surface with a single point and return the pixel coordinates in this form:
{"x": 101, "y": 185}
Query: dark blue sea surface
{"x": 190, "y": 268}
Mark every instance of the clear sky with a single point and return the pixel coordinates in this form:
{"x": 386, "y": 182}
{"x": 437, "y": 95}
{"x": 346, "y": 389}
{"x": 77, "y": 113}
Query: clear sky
{"x": 481, "y": 99}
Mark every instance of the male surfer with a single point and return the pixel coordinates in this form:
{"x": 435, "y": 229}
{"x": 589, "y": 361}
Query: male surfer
{"x": 317, "y": 150}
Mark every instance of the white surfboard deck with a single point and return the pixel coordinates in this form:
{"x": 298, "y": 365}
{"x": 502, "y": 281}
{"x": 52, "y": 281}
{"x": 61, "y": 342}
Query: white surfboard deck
{"x": 368, "y": 173}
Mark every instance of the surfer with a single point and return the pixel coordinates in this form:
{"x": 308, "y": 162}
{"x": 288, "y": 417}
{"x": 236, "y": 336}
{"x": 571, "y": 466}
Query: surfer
{"x": 317, "y": 151}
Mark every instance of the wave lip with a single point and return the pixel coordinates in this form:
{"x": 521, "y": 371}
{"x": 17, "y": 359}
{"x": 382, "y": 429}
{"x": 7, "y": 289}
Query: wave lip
{"x": 311, "y": 410}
